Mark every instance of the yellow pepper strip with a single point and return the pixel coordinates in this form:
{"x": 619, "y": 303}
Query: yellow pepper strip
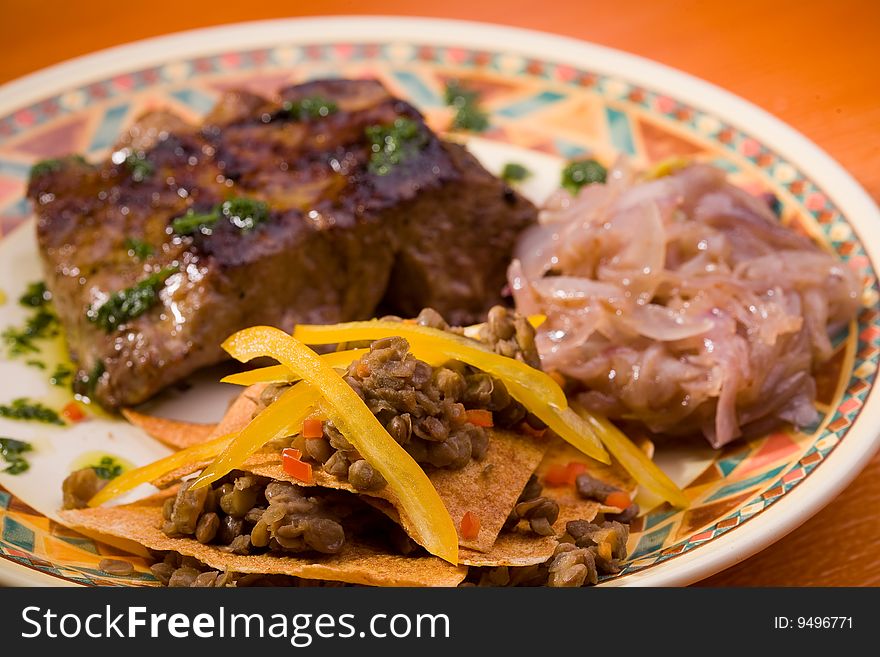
{"x": 271, "y": 374}
{"x": 634, "y": 460}
{"x": 281, "y": 374}
{"x": 145, "y": 474}
{"x": 418, "y": 498}
{"x": 537, "y": 320}
{"x": 282, "y": 418}
{"x": 567, "y": 424}
{"x": 448, "y": 344}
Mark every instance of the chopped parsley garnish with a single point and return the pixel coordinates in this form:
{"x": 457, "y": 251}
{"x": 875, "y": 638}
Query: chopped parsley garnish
{"x": 243, "y": 213}
{"x": 85, "y": 382}
{"x": 27, "y": 410}
{"x": 394, "y": 143}
{"x": 54, "y": 164}
{"x": 61, "y": 375}
{"x": 138, "y": 249}
{"x": 310, "y": 107}
{"x": 139, "y": 166}
{"x": 107, "y": 468}
{"x": 513, "y": 172}
{"x": 11, "y": 451}
{"x": 36, "y": 295}
{"x": 129, "y": 303}
{"x": 468, "y": 115}
{"x": 41, "y": 324}
{"x": 583, "y": 172}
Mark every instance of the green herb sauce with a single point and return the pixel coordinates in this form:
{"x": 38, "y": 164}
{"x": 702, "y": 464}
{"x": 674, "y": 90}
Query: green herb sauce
{"x": 11, "y": 451}
{"x": 243, "y": 213}
{"x": 54, "y": 164}
{"x": 138, "y": 249}
{"x": 468, "y": 115}
{"x": 40, "y": 325}
{"x": 30, "y": 411}
{"x": 308, "y": 108}
{"x": 106, "y": 466}
{"x": 581, "y": 173}
{"x": 62, "y": 375}
{"x": 394, "y": 143}
{"x": 514, "y": 172}
{"x": 129, "y": 303}
{"x": 139, "y": 167}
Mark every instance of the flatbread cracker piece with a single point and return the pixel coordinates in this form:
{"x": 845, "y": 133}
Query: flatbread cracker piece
{"x": 355, "y": 564}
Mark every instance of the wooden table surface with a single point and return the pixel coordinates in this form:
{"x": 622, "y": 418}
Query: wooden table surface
{"x": 812, "y": 64}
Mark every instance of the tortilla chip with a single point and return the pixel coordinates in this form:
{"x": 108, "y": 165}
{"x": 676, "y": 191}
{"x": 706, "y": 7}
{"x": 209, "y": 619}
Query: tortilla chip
{"x": 488, "y": 488}
{"x": 173, "y": 433}
{"x": 241, "y": 412}
{"x": 517, "y": 547}
{"x": 560, "y": 453}
{"x": 355, "y": 564}
{"x": 522, "y": 547}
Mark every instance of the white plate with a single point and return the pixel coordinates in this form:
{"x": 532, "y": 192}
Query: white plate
{"x": 550, "y": 97}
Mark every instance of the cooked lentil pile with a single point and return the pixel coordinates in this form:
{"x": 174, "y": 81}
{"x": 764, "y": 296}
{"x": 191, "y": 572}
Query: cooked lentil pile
{"x": 246, "y": 514}
{"x": 428, "y": 410}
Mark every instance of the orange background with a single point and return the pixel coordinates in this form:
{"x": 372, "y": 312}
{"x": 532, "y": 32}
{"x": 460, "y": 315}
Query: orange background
{"x": 814, "y": 64}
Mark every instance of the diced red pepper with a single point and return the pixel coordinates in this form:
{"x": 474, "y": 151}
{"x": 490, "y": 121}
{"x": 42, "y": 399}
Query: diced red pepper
{"x": 619, "y": 499}
{"x": 73, "y": 413}
{"x": 313, "y": 427}
{"x": 290, "y": 460}
{"x": 479, "y": 417}
{"x": 470, "y": 526}
{"x": 362, "y": 369}
{"x": 575, "y": 468}
{"x": 557, "y": 475}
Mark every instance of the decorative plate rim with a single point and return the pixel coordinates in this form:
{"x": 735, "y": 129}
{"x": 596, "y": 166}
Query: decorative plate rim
{"x": 799, "y": 503}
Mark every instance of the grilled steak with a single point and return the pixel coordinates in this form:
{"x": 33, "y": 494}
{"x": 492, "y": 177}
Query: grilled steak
{"x": 322, "y": 205}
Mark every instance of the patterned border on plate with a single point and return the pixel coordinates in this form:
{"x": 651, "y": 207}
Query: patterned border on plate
{"x": 743, "y": 481}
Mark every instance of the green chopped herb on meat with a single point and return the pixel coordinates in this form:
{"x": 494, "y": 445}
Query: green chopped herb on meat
{"x": 139, "y": 166}
{"x": 581, "y": 173}
{"x": 394, "y": 143}
{"x": 11, "y": 451}
{"x": 514, "y": 172}
{"x": 85, "y": 382}
{"x": 29, "y": 411}
{"x": 468, "y": 115}
{"x": 243, "y": 213}
{"x": 54, "y": 164}
{"x": 138, "y": 249}
{"x": 129, "y": 303}
{"x": 310, "y": 107}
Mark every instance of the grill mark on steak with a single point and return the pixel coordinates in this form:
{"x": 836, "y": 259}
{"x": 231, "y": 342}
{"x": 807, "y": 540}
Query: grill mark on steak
{"x": 436, "y": 231}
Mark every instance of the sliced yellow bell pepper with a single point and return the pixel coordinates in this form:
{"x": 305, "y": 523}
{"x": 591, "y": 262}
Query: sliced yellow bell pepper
{"x": 448, "y": 344}
{"x": 147, "y": 473}
{"x": 634, "y": 460}
{"x": 281, "y": 374}
{"x": 283, "y": 417}
{"x": 421, "y": 503}
{"x": 534, "y": 389}
{"x": 566, "y": 423}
